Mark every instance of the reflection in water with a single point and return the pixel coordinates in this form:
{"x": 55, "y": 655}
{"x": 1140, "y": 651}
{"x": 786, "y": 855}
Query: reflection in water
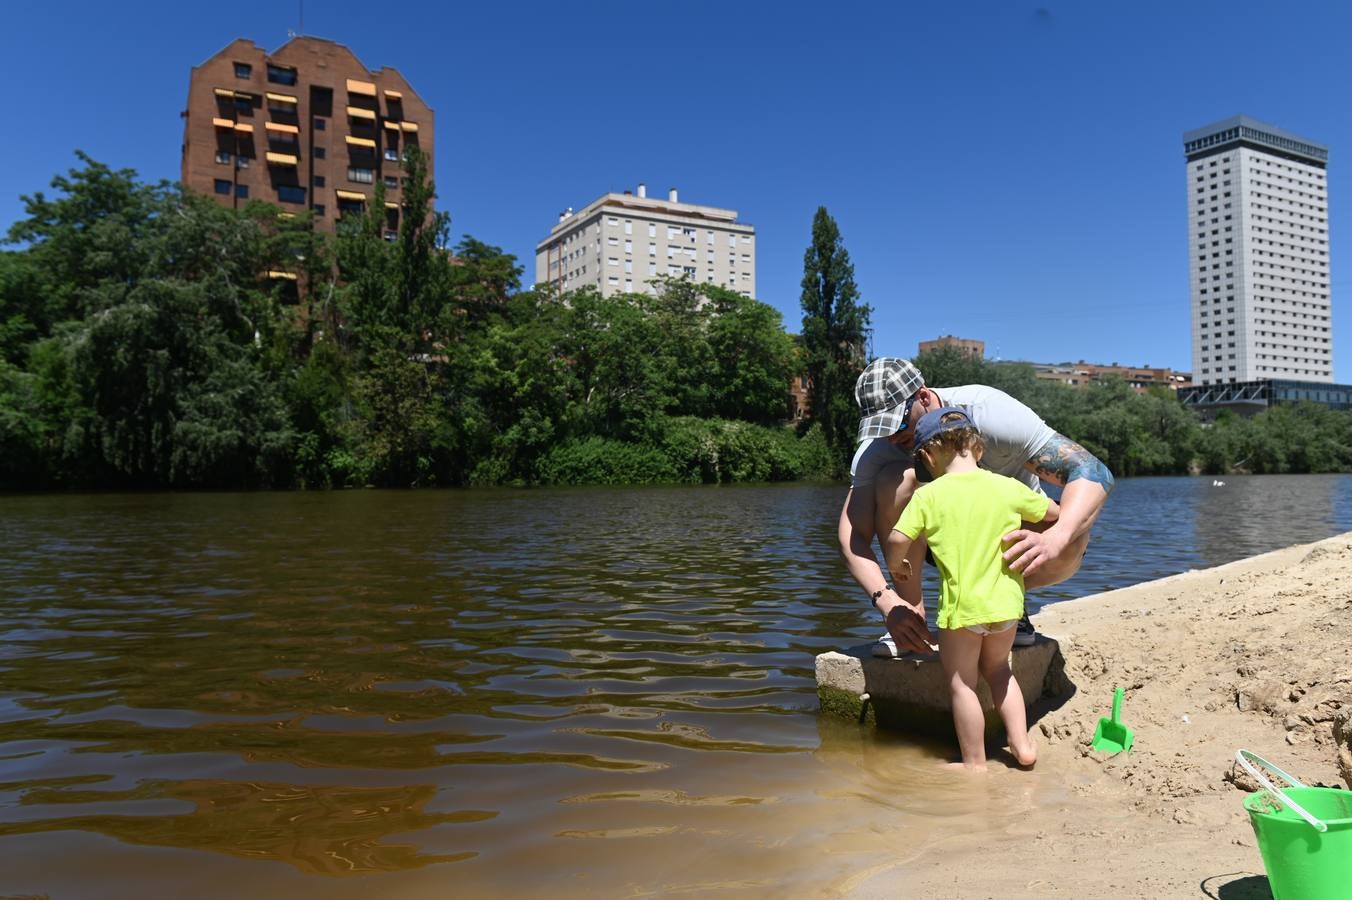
{"x": 325, "y": 830}
{"x": 577, "y": 692}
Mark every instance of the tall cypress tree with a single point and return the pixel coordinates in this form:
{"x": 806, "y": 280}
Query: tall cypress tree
{"x": 835, "y": 324}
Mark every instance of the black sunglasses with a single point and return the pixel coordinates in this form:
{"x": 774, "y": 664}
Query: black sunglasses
{"x": 906, "y": 413}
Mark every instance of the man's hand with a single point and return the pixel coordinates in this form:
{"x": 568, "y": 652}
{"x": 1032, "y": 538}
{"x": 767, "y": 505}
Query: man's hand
{"x": 906, "y": 624}
{"x": 1032, "y": 550}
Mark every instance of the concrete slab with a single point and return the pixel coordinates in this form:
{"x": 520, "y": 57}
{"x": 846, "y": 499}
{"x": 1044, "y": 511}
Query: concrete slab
{"x": 910, "y": 693}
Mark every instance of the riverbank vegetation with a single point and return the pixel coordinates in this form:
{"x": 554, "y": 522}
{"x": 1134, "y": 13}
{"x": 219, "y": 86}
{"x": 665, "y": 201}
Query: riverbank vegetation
{"x": 1152, "y": 433}
{"x": 151, "y": 338}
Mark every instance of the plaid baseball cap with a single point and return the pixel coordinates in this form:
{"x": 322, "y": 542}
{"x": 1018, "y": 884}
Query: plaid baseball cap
{"x": 881, "y": 392}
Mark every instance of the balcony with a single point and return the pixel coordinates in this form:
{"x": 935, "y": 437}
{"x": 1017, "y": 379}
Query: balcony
{"x": 362, "y": 88}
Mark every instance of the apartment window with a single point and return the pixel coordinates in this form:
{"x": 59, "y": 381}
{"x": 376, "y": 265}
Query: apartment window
{"x": 628, "y": 226}
{"x": 652, "y": 249}
{"x": 732, "y": 240}
{"x": 319, "y": 181}
{"x": 319, "y": 209}
{"x": 363, "y": 176}
{"x": 628, "y": 246}
{"x": 710, "y": 235}
{"x": 243, "y": 70}
{"x": 652, "y": 268}
{"x": 652, "y": 229}
{"x": 318, "y": 152}
{"x": 321, "y": 124}
{"x": 613, "y": 261}
{"x": 391, "y": 181}
{"x": 281, "y": 74}
{"x": 613, "y": 241}
{"x": 629, "y": 284}
{"x": 242, "y": 191}
{"x": 290, "y": 193}
{"x": 391, "y": 236}
{"x": 223, "y": 157}
{"x": 223, "y": 186}
{"x": 613, "y": 279}
{"x": 629, "y": 265}
{"x": 244, "y": 104}
{"x": 353, "y": 207}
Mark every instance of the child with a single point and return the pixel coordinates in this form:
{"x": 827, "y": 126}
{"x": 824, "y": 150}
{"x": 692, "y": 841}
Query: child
{"x": 963, "y": 513}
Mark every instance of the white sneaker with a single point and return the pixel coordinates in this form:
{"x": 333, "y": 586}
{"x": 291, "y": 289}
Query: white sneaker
{"x": 885, "y": 647}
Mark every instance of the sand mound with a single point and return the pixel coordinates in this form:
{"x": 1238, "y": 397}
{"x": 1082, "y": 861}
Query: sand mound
{"x": 1256, "y": 654}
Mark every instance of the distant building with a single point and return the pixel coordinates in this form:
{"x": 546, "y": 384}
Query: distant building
{"x": 1258, "y": 257}
{"x": 1248, "y": 398}
{"x": 620, "y": 241}
{"x": 1140, "y": 378}
{"x": 800, "y": 398}
{"x": 307, "y": 127}
{"x": 968, "y": 346}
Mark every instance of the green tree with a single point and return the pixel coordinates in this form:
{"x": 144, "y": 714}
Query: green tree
{"x": 753, "y": 358}
{"x": 835, "y": 325}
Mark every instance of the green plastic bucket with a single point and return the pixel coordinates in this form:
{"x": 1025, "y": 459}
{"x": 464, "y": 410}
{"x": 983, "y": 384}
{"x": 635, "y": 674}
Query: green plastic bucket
{"x": 1304, "y": 835}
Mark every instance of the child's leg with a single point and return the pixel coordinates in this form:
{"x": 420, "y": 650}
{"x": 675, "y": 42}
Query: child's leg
{"x": 960, "y": 652}
{"x": 1006, "y": 695}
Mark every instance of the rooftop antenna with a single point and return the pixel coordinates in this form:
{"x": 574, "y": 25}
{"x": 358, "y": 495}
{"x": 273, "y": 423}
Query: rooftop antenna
{"x": 300, "y": 20}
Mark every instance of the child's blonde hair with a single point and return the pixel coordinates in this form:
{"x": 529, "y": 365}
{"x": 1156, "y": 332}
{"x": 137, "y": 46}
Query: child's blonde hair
{"x": 966, "y": 438}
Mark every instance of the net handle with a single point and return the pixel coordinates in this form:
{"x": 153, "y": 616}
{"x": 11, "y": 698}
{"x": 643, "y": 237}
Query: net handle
{"x": 1248, "y": 760}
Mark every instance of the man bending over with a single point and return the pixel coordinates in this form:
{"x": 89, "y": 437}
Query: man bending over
{"x": 892, "y": 397}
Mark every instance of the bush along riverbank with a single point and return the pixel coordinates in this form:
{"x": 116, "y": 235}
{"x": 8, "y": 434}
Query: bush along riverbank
{"x": 150, "y": 338}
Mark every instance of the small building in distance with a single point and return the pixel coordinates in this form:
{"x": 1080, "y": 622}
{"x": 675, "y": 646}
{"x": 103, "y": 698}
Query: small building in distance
{"x": 620, "y": 241}
{"x": 1247, "y": 398}
{"x": 1140, "y": 378}
{"x": 307, "y": 127}
{"x": 968, "y": 346}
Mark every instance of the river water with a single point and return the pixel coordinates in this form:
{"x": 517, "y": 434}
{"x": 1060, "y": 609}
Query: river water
{"x": 550, "y": 693}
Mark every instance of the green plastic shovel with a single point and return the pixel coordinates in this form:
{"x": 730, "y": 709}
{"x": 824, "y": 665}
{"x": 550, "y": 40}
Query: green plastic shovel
{"x": 1112, "y": 736}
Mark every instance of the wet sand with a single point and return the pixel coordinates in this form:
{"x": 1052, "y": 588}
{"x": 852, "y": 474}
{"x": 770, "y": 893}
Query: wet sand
{"x": 1256, "y": 654}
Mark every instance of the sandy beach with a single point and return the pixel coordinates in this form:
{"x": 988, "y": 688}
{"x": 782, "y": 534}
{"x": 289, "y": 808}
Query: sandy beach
{"x": 1256, "y": 654}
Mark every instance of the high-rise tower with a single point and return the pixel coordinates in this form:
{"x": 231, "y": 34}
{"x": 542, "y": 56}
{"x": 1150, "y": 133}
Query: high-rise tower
{"x": 1258, "y": 256}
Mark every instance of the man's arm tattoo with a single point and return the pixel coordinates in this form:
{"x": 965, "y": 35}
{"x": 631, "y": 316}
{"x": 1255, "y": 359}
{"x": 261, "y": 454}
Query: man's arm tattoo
{"x": 1061, "y": 461}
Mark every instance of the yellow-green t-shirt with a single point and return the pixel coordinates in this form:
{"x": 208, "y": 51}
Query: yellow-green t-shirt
{"x": 963, "y": 516}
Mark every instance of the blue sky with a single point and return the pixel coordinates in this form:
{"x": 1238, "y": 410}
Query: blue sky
{"x": 1003, "y": 171}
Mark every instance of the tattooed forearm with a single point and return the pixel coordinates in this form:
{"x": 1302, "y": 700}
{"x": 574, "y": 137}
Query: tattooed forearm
{"x": 1061, "y": 461}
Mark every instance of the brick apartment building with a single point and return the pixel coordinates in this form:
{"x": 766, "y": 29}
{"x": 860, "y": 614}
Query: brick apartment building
{"x": 305, "y": 127}
{"x": 967, "y": 346}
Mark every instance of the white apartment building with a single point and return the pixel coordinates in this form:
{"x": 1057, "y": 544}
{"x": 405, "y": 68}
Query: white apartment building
{"x": 621, "y": 241}
{"x": 1258, "y": 258}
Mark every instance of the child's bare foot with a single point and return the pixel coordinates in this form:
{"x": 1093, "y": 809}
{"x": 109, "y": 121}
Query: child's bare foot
{"x": 963, "y": 767}
{"x": 1025, "y": 751}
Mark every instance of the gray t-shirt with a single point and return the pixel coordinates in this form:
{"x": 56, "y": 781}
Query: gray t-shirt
{"x": 1013, "y": 434}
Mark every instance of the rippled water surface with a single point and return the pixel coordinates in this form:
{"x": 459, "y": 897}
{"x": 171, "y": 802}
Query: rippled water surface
{"x": 470, "y": 693}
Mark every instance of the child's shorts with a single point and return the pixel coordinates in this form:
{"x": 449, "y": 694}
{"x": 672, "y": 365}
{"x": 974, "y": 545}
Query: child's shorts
{"x": 993, "y": 627}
